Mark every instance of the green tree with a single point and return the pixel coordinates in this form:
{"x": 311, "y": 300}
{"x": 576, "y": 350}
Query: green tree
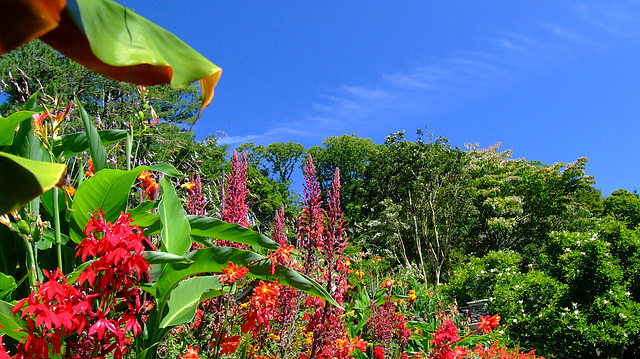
{"x": 520, "y": 202}
{"x": 624, "y": 206}
{"x": 352, "y": 155}
{"x": 424, "y": 186}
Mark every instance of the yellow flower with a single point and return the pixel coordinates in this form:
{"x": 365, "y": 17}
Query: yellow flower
{"x": 412, "y": 295}
{"x": 189, "y": 186}
{"x": 309, "y": 338}
{"x": 388, "y": 283}
{"x": 274, "y": 337}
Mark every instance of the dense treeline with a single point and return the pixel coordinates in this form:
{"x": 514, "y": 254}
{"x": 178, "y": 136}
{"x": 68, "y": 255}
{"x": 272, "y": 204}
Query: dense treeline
{"x": 524, "y": 234}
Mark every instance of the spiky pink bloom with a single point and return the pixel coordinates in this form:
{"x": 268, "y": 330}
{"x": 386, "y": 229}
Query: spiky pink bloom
{"x": 235, "y": 208}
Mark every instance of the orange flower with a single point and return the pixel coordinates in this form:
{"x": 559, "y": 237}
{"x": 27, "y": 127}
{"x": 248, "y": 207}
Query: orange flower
{"x": 144, "y": 176}
{"x": 388, "y": 283}
{"x": 489, "y": 323}
{"x": 149, "y": 184}
{"x": 412, "y": 296}
{"x": 90, "y": 170}
{"x": 189, "y": 186}
{"x": 232, "y": 273}
{"x": 266, "y": 293}
{"x": 71, "y": 191}
{"x": 41, "y": 127}
{"x": 190, "y": 354}
{"x": 347, "y": 345}
{"x": 229, "y": 344}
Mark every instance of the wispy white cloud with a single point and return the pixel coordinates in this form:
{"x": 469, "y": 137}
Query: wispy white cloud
{"x": 568, "y": 34}
{"x": 616, "y": 18}
{"x": 498, "y": 58}
{"x": 230, "y": 140}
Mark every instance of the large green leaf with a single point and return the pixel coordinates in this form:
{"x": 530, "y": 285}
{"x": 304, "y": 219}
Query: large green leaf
{"x": 96, "y": 148}
{"x": 9, "y": 323}
{"x": 153, "y": 257}
{"x": 186, "y": 297}
{"x": 214, "y": 228}
{"x": 213, "y": 259}
{"x": 166, "y": 168}
{"x": 114, "y": 41}
{"x": 78, "y": 142}
{"x": 175, "y": 227}
{"x": 107, "y": 190}
{"x": 23, "y": 180}
{"x": 149, "y": 222}
{"x": 7, "y": 285}
{"x": 8, "y": 126}
{"x": 8, "y": 250}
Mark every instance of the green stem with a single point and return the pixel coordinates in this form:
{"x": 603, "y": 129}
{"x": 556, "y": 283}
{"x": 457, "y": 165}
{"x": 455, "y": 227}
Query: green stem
{"x": 129, "y": 146}
{"x": 31, "y": 261}
{"x": 56, "y": 227}
{"x": 135, "y": 155}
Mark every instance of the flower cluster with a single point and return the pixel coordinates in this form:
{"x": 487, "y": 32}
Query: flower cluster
{"x": 235, "y": 208}
{"x": 93, "y": 316}
{"x": 386, "y": 326}
{"x": 500, "y": 352}
{"x": 148, "y": 184}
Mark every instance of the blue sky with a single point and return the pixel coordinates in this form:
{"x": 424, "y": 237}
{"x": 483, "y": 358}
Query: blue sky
{"x": 551, "y": 80}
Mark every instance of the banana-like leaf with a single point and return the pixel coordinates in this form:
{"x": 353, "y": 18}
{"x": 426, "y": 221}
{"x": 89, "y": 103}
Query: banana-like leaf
{"x": 186, "y": 297}
{"x": 166, "y": 168}
{"x": 74, "y": 143}
{"x": 175, "y": 227}
{"x": 213, "y": 259}
{"x": 7, "y": 285}
{"x": 9, "y": 323}
{"x": 98, "y": 153}
{"x": 23, "y": 180}
{"x": 153, "y": 257}
{"x": 25, "y": 20}
{"x": 214, "y": 228}
{"x": 8, "y": 126}
{"x": 109, "y": 39}
{"x": 107, "y": 190}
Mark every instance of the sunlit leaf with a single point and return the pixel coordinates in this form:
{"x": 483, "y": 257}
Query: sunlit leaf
{"x": 107, "y": 190}
{"x": 23, "y": 180}
{"x": 116, "y": 42}
{"x": 216, "y": 229}
{"x": 74, "y": 143}
{"x": 98, "y": 153}
{"x": 175, "y": 227}
{"x": 9, "y": 323}
{"x": 186, "y": 297}
{"x": 8, "y": 126}
{"x": 25, "y": 20}
{"x": 213, "y": 259}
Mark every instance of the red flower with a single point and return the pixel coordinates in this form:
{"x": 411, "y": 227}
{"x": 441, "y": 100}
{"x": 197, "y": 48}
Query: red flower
{"x": 190, "y": 354}
{"x": 229, "y": 344}
{"x": 489, "y": 323}
{"x": 232, "y": 273}
{"x": 378, "y": 353}
{"x": 347, "y": 345}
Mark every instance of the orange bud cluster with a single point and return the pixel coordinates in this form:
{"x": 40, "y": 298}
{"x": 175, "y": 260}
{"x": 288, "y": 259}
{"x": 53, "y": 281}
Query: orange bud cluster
{"x": 149, "y": 184}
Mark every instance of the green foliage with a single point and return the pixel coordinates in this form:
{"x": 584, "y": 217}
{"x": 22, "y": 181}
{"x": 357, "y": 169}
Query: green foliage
{"x": 352, "y": 154}
{"x": 580, "y": 300}
{"x": 419, "y": 189}
{"x": 624, "y": 206}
